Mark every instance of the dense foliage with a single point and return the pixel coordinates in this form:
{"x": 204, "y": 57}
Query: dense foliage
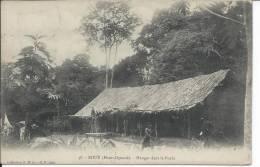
{"x": 181, "y": 43}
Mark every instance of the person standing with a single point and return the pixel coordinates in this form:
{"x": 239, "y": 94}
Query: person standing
{"x": 147, "y": 138}
{"x": 22, "y": 133}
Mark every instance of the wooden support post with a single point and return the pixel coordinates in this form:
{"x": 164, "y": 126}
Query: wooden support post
{"x": 95, "y": 125}
{"x": 117, "y": 125}
{"x": 92, "y": 125}
{"x": 155, "y": 128}
{"x": 106, "y": 125}
{"x": 155, "y": 125}
{"x": 125, "y": 127}
{"x": 188, "y": 125}
{"x": 140, "y": 127}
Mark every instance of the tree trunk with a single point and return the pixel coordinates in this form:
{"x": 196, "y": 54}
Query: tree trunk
{"x": 248, "y": 78}
{"x": 58, "y": 109}
{"x": 27, "y": 126}
{"x": 106, "y": 79}
{"x": 112, "y": 72}
{"x": 58, "y": 116}
{"x": 109, "y": 58}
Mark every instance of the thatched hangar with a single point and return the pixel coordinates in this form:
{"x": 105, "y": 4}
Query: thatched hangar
{"x": 173, "y": 109}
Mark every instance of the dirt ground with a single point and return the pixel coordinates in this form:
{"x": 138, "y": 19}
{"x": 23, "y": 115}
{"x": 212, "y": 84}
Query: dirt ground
{"x": 78, "y": 149}
{"x": 81, "y": 141}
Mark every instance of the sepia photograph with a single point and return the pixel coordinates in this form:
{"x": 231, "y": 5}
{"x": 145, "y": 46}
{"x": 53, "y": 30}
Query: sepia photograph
{"x": 126, "y": 82}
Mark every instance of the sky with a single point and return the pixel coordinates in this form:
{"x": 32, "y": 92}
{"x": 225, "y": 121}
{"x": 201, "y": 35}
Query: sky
{"x": 59, "y": 21}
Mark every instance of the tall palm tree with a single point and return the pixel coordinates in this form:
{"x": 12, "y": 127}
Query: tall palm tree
{"x": 34, "y": 67}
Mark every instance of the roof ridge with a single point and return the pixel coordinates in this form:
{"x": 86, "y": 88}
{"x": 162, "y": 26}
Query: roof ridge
{"x": 222, "y": 70}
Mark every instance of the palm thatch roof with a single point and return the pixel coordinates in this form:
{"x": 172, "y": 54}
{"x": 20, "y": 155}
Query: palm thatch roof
{"x": 172, "y": 96}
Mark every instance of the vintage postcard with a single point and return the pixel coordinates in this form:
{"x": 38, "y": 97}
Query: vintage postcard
{"x": 126, "y": 82}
